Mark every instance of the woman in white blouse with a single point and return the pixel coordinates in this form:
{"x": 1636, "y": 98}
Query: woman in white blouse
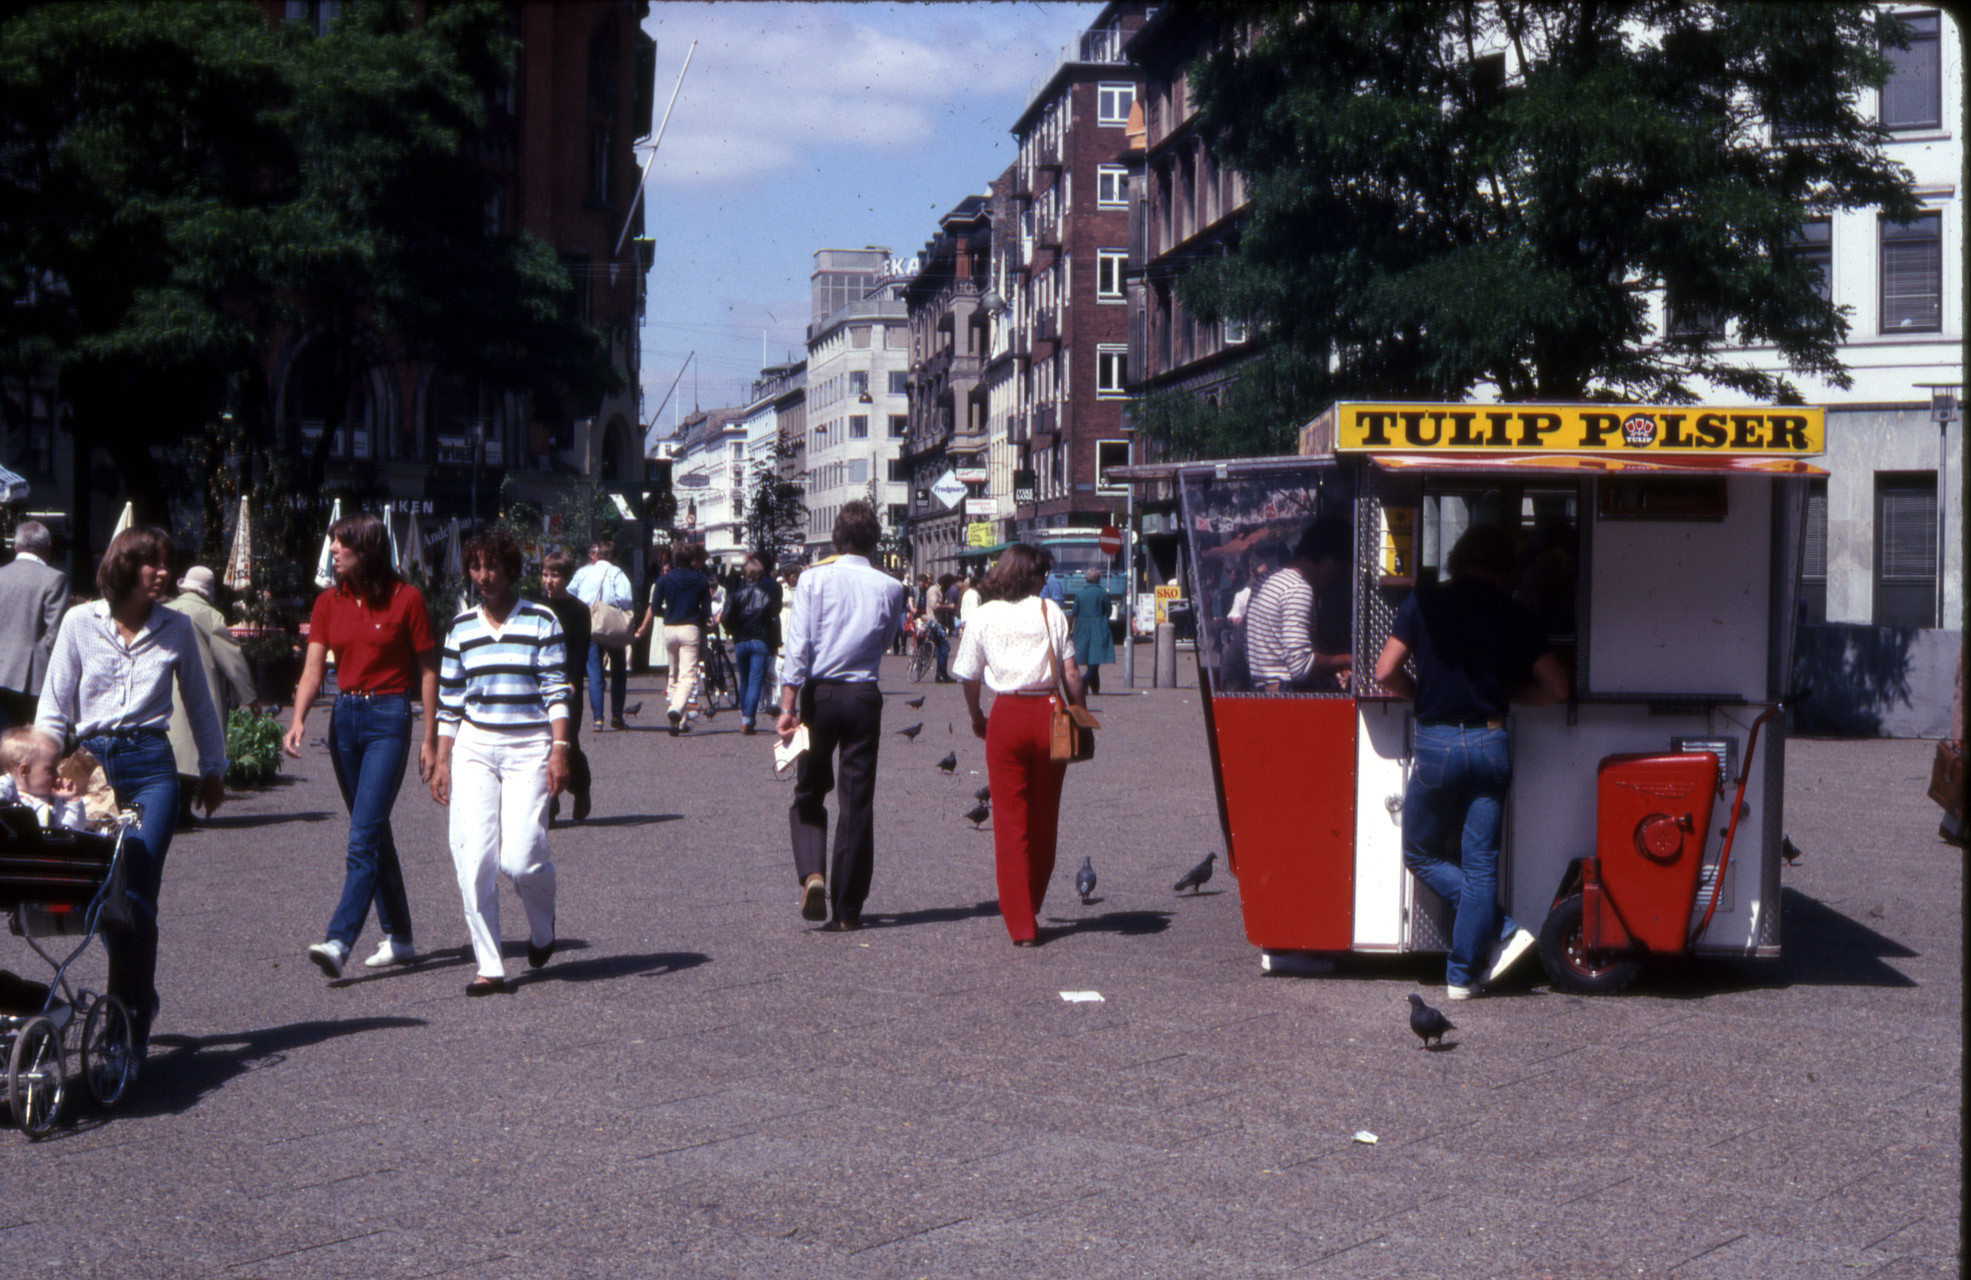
{"x": 1006, "y": 646}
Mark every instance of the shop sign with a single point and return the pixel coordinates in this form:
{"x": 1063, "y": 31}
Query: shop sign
{"x": 986, "y": 507}
{"x": 1759, "y": 431}
{"x": 949, "y": 490}
{"x": 981, "y": 533}
{"x": 1023, "y": 488}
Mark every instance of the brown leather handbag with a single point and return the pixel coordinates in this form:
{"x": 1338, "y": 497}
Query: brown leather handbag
{"x": 1074, "y": 727}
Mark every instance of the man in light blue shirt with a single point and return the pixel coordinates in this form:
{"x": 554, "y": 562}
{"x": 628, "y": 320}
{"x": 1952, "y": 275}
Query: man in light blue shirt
{"x": 601, "y": 582}
{"x": 845, "y": 614}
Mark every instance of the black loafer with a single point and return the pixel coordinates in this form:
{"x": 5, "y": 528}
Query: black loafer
{"x": 538, "y": 956}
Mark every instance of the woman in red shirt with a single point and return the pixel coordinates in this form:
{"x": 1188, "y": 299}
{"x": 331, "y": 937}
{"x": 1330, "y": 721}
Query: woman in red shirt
{"x": 377, "y": 626}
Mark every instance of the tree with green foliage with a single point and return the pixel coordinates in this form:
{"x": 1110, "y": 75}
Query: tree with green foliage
{"x": 776, "y": 506}
{"x": 1448, "y": 195}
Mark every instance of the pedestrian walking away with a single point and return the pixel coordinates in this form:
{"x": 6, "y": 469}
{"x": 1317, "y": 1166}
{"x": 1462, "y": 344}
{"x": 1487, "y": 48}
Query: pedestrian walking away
{"x": 598, "y": 583}
{"x": 557, "y": 567}
{"x": 683, "y": 598}
{"x": 1094, "y": 644}
{"x": 1475, "y": 652}
{"x": 503, "y": 707}
{"x": 33, "y": 598}
{"x": 385, "y": 653}
{"x": 845, "y": 614}
{"x": 752, "y": 619}
{"x": 1012, "y": 645}
{"x": 110, "y": 678}
{"x": 226, "y": 675}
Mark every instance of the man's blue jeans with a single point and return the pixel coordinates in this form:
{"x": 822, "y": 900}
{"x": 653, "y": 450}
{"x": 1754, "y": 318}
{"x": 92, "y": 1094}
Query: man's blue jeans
{"x": 1457, "y": 796}
{"x": 752, "y": 658}
{"x": 943, "y": 642}
{"x": 619, "y": 681}
{"x": 369, "y": 743}
{"x": 141, "y": 770}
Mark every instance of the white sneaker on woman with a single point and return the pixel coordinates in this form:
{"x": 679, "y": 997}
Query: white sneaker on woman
{"x": 328, "y": 957}
{"x": 388, "y": 953}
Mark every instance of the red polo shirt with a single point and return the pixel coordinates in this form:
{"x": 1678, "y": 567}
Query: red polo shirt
{"x": 375, "y": 649}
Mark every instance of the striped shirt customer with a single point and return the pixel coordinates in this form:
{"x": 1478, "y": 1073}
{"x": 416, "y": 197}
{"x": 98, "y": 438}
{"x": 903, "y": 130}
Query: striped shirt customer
{"x": 503, "y": 707}
{"x": 1288, "y": 645}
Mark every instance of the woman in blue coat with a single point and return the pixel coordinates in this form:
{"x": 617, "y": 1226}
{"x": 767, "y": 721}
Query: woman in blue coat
{"x": 1093, "y": 645}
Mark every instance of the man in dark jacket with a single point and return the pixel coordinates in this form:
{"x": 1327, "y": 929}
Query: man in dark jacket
{"x": 556, "y": 570}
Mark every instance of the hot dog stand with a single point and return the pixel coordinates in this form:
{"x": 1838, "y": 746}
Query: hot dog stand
{"x": 1660, "y": 546}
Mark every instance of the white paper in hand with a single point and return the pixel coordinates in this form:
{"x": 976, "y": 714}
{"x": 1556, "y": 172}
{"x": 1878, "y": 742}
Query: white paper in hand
{"x": 786, "y": 753}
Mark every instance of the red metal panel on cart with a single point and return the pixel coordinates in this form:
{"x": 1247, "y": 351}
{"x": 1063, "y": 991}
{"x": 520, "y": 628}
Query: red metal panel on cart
{"x": 1652, "y": 814}
{"x": 1287, "y": 772}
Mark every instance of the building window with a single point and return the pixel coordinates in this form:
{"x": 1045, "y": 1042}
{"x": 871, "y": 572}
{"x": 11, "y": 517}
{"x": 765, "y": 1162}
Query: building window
{"x": 859, "y": 383}
{"x": 1912, "y": 98}
{"x": 599, "y": 162}
{"x": 316, "y": 15}
{"x": 1111, "y": 186}
{"x": 1110, "y": 370}
{"x": 1814, "y": 244}
{"x": 858, "y": 471}
{"x": 1905, "y": 549}
{"x": 899, "y": 425}
{"x": 1686, "y": 320}
{"x": 1235, "y": 332}
{"x": 899, "y": 513}
{"x": 896, "y": 338}
{"x": 1813, "y": 563}
{"x": 1112, "y": 103}
{"x": 1110, "y": 454}
{"x": 577, "y": 267}
{"x": 859, "y": 337}
{"x": 899, "y": 383}
{"x": 1108, "y": 272}
{"x": 899, "y": 471}
{"x": 1912, "y": 275}
{"x": 858, "y": 426}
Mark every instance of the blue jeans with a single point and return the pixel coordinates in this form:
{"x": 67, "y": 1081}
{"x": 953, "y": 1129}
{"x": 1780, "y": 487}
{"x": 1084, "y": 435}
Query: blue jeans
{"x": 369, "y": 741}
{"x": 140, "y": 769}
{"x": 619, "y": 681}
{"x": 943, "y": 643}
{"x": 1457, "y": 793}
{"x": 751, "y": 657}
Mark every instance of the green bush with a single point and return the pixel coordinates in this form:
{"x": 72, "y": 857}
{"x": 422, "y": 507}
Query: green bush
{"x": 253, "y": 748}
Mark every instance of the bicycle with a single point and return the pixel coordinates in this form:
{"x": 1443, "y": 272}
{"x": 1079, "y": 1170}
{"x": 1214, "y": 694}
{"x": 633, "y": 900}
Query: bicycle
{"x": 721, "y": 678}
{"x": 924, "y": 651}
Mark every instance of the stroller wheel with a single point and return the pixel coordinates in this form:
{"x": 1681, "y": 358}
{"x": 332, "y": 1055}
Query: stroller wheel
{"x": 35, "y": 1079}
{"x": 108, "y": 1060}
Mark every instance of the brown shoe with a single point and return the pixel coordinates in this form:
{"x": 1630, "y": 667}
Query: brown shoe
{"x": 814, "y": 898}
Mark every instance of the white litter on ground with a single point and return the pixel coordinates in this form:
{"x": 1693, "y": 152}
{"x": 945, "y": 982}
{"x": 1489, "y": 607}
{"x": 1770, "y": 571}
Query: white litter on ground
{"x": 1082, "y": 997}
{"x": 1364, "y": 1136}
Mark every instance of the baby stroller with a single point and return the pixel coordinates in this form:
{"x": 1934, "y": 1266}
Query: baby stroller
{"x": 60, "y": 889}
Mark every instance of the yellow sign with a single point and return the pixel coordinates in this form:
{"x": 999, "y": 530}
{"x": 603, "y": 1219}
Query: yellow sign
{"x": 981, "y": 533}
{"x": 1579, "y": 428}
{"x": 1165, "y": 595}
{"x": 1398, "y": 524}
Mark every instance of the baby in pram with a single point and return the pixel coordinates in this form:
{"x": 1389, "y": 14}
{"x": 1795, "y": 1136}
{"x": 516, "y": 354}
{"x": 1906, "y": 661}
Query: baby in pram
{"x": 32, "y": 762}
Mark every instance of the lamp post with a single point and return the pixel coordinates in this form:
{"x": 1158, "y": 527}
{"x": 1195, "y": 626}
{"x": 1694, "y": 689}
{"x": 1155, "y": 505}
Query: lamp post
{"x": 1943, "y": 407}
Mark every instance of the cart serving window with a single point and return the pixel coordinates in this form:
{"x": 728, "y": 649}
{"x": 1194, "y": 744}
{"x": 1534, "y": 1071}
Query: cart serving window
{"x": 1659, "y": 547}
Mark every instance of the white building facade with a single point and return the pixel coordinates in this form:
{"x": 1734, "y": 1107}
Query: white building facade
{"x": 857, "y": 405}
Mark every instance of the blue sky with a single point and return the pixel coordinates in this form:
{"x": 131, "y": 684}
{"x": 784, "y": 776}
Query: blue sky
{"x": 805, "y": 126}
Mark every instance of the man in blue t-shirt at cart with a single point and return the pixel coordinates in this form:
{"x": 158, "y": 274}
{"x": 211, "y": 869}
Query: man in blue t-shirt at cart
{"x": 1476, "y": 652}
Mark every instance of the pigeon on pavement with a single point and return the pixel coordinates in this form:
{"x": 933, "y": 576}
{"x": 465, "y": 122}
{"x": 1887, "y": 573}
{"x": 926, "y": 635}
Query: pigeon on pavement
{"x": 911, "y": 731}
{"x": 914, "y": 703}
{"x": 977, "y": 814}
{"x": 632, "y": 709}
{"x": 949, "y": 763}
{"x": 983, "y": 795}
{"x": 1428, "y": 1023}
{"x": 1196, "y": 876}
{"x": 1084, "y": 880}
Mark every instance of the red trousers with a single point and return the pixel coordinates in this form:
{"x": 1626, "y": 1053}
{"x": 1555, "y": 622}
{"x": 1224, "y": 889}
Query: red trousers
{"x": 1026, "y": 806}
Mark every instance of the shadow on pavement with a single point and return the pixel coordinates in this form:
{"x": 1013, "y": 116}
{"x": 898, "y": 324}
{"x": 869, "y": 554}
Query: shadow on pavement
{"x": 930, "y": 915}
{"x": 619, "y": 820}
{"x": 247, "y": 821}
{"x": 182, "y": 1069}
{"x": 1819, "y": 947}
{"x": 1130, "y": 924}
{"x": 654, "y": 964}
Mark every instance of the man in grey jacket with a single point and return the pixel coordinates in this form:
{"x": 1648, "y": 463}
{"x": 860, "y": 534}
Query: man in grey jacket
{"x": 33, "y": 597}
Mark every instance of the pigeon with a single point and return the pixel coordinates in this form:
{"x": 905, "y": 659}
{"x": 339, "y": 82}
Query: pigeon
{"x": 949, "y": 763}
{"x": 1789, "y": 851}
{"x": 632, "y": 709}
{"x": 1196, "y": 876}
{"x": 977, "y": 814}
{"x": 914, "y": 703}
{"x": 1084, "y": 880}
{"x": 983, "y": 795}
{"x": 911, "y": 731}
{"x": 1428, "y": 1023}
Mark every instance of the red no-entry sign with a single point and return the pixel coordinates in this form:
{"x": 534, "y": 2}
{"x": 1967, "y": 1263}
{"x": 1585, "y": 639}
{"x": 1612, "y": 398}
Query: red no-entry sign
{"x": 1110, "y": 541}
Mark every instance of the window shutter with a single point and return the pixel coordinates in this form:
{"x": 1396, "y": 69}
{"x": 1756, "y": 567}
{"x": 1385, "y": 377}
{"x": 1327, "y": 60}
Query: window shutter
{"x": 1908, "y": 531}
{"x": 1814, "y": 568}
{"x": 1912, "y": 284}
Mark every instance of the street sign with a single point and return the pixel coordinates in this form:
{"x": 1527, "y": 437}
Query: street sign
{"x": 949, "y": 490}
{"x": 1110, "y": 541}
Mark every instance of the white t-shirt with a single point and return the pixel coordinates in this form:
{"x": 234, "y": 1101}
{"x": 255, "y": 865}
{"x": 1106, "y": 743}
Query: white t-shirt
{"x": 968, "y": 605}
{"x": 1005, "y": 644}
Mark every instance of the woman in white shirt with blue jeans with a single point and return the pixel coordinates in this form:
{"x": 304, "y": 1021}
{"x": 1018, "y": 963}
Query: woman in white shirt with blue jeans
{"x": 1006, "y": 645}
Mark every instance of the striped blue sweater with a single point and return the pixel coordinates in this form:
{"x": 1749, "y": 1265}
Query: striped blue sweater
{"x": 515, "y": 678}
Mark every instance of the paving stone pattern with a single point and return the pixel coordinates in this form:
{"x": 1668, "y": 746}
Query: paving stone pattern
{"x": 702, "y": 1085}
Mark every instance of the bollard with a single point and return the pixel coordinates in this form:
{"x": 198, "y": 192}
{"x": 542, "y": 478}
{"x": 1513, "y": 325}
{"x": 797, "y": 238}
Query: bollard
{"x": 1166, "y": 655}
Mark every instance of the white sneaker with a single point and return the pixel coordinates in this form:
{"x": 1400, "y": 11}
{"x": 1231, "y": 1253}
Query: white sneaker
{"x": 1507, "y": 954}
{"x": 388, "y": 953}
{"x": 329, "y": 957}
{"x": 1460, "y": 993}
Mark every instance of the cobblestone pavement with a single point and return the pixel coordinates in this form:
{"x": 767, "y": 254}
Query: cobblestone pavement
{"x": 701, "y": 1085}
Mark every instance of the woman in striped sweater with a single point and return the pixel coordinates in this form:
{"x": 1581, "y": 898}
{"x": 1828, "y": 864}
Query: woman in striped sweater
{"x": 503, "y": 707}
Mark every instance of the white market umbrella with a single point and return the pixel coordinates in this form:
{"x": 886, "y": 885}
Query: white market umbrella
{"x": 325, "y": 567}
{"x": 239, "y": 563}
{"x": 124, "y": 521}
{"x": 390, "y": 531}
{"x": 413, "y": 545}
{"x": 13, "y": 488}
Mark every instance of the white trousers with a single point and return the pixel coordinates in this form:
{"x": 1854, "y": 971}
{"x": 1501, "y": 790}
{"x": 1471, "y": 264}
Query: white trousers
{"x": 681, "y": 643}
{"x": 499, "y": 823}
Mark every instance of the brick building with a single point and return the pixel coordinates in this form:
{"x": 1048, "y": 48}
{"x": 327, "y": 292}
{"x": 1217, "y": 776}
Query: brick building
{"x": 949, "y": 329}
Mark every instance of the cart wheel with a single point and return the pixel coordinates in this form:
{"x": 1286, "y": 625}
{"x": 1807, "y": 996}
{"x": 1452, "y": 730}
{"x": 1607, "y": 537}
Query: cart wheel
{"x": 35, "y": 1079}
{"x": 107, "y": 1060}
{"x": 1571, "y": 966}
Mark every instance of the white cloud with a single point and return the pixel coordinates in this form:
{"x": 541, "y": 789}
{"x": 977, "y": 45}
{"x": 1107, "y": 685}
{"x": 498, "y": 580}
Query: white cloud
{"x": 769, "y": 81}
